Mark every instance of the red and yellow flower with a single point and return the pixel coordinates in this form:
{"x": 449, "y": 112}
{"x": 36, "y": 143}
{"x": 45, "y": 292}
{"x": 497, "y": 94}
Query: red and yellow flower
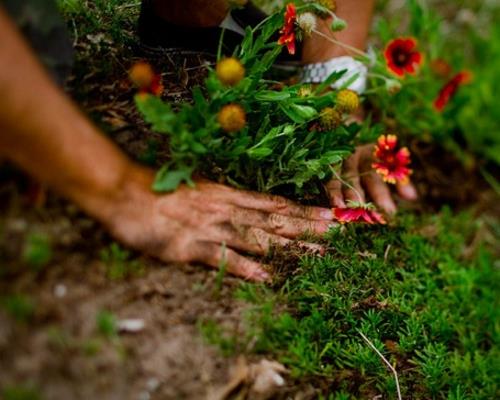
{"x": 142, "y": 75}
{"x": 402, "y": 56}
{"x": 391, "y": 163}
{"x": 360, "y": 213}
{"x": 450, "y": 88}
{"x": 288, "y": 31}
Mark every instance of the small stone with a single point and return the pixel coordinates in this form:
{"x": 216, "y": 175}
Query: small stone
{"x": 131, "y": 325}
{"x": 152, "y": 384}
{"x": 60, "y": 290}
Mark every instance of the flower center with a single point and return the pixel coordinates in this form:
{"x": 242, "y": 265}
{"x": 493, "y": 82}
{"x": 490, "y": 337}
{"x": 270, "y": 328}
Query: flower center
{"x": 401, "y": 58}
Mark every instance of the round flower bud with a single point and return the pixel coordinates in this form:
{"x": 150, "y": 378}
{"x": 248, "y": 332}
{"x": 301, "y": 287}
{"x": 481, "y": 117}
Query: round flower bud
{"x": 347, "y": 101}
{"x": 338, "y": 24}
{"x": 304, "y": 91}
{"x": 393, "y": 86}
{"x": 141, "y": 74}
{"x": 230, "y": 71}
{"x": 232, "y": 118}
{"x": 307, "y": 22}
{"x": 330, "y": 118}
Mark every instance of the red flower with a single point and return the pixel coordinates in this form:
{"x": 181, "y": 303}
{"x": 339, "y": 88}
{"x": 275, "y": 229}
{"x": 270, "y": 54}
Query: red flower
{"x": 360, "y": 213}
{"x": 451, "y": 87}
{"x": 402, "y": 57}
{"x": 391, "y": 163}
{"x": 288, "y": 31}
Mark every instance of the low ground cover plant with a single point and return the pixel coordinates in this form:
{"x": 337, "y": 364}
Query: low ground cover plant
{"x": 427, "y": 306}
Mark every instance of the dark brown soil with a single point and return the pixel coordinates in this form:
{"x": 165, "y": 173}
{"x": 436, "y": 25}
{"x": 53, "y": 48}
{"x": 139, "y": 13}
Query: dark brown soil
{"x": 59, "y": 348}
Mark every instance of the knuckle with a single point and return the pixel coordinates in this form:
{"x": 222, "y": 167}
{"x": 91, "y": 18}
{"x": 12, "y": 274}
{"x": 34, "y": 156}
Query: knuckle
{"x": 276, "y": 221}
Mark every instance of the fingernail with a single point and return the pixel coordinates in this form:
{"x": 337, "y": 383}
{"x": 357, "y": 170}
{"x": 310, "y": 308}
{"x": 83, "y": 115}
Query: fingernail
{"x": 409, "y": 192}
{"x": 326, "y": 214}
{"x": 263, "y": 276}
{"x": 390, "y": 208}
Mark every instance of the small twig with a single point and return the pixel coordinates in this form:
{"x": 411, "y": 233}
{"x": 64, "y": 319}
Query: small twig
{"x": 393, "y": 370}
{"x": 338, "y": 177}
{"x": 386, "y": 253}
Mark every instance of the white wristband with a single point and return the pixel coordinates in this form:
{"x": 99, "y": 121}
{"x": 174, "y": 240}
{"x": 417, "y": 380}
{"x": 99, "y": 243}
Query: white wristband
{"x": 318, "y": 72}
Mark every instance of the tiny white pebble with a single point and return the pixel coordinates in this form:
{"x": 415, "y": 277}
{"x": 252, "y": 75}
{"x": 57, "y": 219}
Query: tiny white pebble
{"x": 131, "y": 325}
{"x": 60, "y": 290}
{"x": 152, "y": 384}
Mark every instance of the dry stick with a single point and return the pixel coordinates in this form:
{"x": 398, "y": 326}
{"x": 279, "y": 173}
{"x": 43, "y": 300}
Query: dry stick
{"x": 385, "y": 361}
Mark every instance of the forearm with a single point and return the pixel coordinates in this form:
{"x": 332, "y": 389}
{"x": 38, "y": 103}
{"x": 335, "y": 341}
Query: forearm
{"x": 358, "y": 15}
{"x": 45, "y": 134}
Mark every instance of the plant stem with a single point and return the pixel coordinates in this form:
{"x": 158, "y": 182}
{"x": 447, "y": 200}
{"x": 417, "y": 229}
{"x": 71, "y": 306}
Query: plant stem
{"x": 393, "y": 370}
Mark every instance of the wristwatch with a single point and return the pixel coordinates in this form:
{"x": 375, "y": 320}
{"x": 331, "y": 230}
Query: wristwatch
{"x": 318, "y": 72}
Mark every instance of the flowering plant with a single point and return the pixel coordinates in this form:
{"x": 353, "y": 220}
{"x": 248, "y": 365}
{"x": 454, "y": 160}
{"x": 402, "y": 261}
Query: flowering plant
{"x": 253, "y": 132}
{"x": 433, "y": 96}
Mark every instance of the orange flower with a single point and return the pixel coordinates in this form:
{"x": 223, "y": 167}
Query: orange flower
{"x": 402, "y": 57}
{"x": 451, "y": 87}
{"x": 356, "y": 212}
{"x": 142, "y": 75}
{"x": 392, "y": 164}
{"x": 288, "y": 31}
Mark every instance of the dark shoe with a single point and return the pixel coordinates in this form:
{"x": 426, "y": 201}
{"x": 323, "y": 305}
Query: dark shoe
{"x": 158, "y": 35}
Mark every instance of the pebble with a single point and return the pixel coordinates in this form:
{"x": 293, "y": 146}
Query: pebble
{"x": 131, "y": 325}
{"x": 60, "y": 290}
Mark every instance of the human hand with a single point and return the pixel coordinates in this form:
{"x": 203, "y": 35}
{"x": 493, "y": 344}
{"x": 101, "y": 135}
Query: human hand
{"x": 191, "y": 224}
{"x": 365, "y": 182}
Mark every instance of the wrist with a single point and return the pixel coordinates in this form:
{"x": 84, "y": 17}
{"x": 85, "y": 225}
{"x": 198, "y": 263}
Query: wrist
{"x": 108, "y": 201}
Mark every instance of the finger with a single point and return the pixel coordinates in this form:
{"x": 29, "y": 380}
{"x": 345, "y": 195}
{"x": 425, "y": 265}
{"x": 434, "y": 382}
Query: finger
{"x": 353, "y": 190}
{"x": 258, "y": 241}
{"x": 215, "y": 255}
{"x": 407, "y": 191}
{"x": 280, "y": 205}
{"x": 379, "y": 192}
{"x": 263, "y": 202}
{"x": 282, "y": 225}
{"x": 334, "y": 190}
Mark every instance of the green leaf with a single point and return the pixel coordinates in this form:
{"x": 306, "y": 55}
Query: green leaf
{"x": 298, "y": 113}
{"x": 271, "y": 95}
{"x": 156, "y": 112}
{"x": 260, "y": 152}
{"x": 167, "y": 180}
{"x": 334, "y": 76}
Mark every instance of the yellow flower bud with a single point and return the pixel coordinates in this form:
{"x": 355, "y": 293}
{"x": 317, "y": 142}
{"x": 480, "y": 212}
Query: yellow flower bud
{"x": 330, "y": 118}
{"x": 230, "y": 71}
{"x": 232, "y": 118}
{"x": 141, "y": 74}
{"x": 304, "y": 91}
{"x": 347, "y": 101}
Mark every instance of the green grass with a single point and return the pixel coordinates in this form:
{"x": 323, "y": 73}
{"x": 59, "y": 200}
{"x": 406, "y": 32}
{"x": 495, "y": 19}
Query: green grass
{"x": 429, "y": 309}
{"x": 20, "y": 393}
{"x": 106, "y": 324}
{"x": 18, "y": 306}
{"x": 119, "y": 263}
